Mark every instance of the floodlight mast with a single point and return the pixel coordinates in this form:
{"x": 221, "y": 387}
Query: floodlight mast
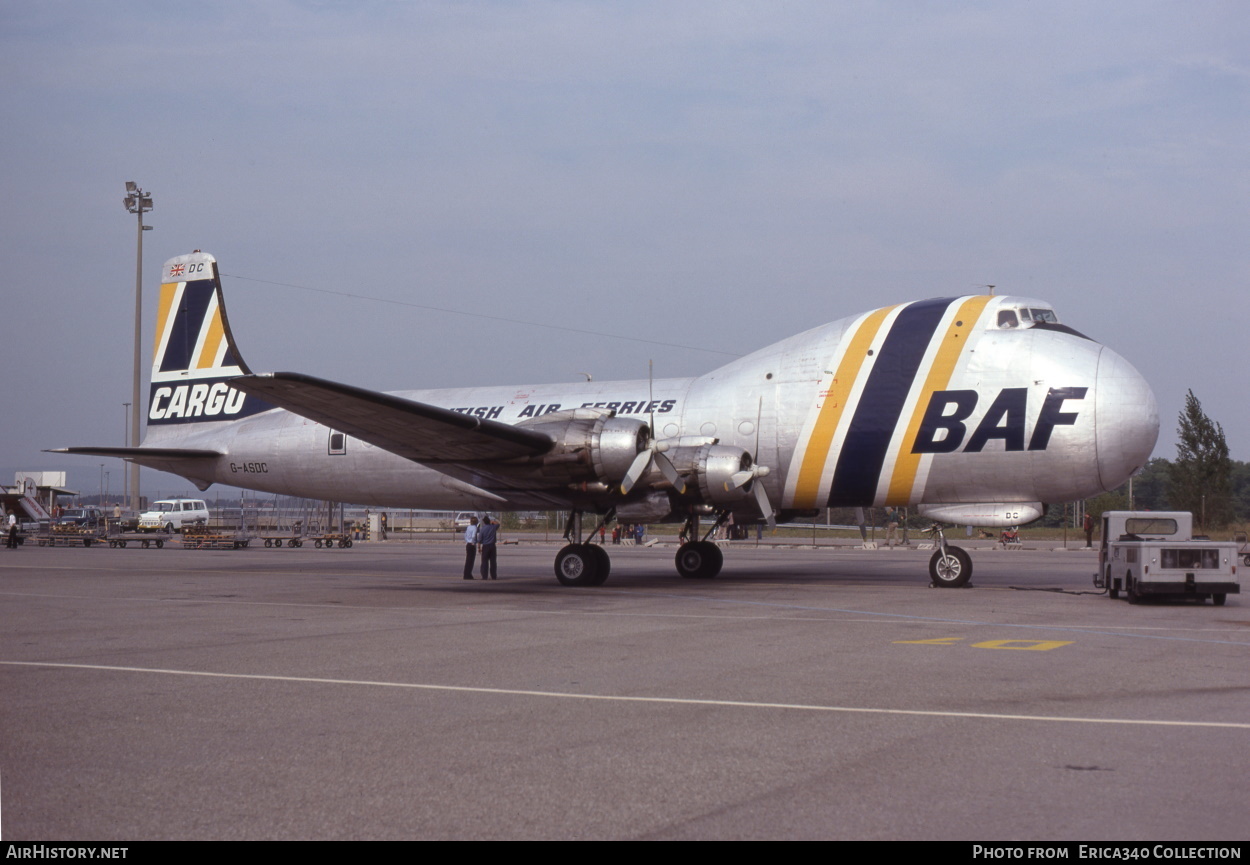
{"x": 137, "y": 202}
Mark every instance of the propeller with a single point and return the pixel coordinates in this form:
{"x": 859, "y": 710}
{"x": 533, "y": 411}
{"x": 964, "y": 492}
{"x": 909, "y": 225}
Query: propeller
{"x": 652, "y": 454}
{"x": 754, "y": 472}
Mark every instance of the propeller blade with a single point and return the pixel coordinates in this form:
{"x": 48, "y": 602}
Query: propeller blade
{"x": 766, "y": 508}
{"x": 670, "y": 472}
{"x": 636, "y": 470}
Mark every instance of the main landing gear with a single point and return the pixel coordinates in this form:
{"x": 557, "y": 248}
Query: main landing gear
{"x": 700, "y": 559}
{"x": 950, "y": 566}
{"x": 580, "y": 563}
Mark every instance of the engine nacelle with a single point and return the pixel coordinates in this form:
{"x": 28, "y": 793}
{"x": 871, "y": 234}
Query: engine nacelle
{"x": 713, "y": 467}
{"x": 591, "y": 446}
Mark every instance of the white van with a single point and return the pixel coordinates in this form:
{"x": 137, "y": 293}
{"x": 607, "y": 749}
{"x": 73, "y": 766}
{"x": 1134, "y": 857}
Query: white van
{"x": 171, "y": 515}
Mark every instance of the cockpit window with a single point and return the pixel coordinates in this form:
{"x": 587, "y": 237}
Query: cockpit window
{"x": 1007, "y": 318}
{"x": 1047, "y": 315}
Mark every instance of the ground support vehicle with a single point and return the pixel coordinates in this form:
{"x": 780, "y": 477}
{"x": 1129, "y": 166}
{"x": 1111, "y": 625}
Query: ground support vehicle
{"x": 69, "y": 535}
{"x": 279, "y": 540}
{"x": 330, "y": 539}
{"x": 209, "y": 538}
{"x": 120, "y": 539}
{"x": 1154, "y": 554}
{"x": 1243, "y": 547}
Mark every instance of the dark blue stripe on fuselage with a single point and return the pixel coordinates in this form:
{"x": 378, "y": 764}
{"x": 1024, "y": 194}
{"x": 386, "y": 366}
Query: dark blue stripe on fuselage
{"x": 188, "y": 320}
{"x": 868, "y": 437}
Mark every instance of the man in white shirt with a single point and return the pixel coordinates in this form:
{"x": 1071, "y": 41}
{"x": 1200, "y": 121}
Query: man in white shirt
{"x": 470, "y": 547}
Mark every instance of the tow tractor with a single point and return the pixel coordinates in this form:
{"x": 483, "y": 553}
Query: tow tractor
{"x": 1154, "y": 553}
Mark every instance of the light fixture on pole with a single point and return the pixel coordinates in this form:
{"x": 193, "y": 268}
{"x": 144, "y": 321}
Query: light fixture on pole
{"x": 137, "y": 202}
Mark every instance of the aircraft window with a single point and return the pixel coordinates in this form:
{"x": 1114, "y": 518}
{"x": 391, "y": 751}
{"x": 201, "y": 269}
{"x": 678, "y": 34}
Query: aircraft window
{"x": 338, "y": 443}
{"x": 1047, "y": 315}
{"x": 1007, "y": 318}
{"x": 1024, "y": 314}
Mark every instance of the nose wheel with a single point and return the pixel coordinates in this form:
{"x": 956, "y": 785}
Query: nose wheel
{"x": 950, "y": 567}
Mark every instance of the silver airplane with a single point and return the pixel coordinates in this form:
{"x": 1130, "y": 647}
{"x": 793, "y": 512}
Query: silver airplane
{"x": 972, "y": 410}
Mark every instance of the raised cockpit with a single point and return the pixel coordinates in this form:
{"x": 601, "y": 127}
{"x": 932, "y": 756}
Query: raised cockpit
{"x": 1020, "y": 313}
{"x": 1025, "y": 315}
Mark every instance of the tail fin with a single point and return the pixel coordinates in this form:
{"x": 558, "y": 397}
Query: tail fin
{"x": 195, "y": 354}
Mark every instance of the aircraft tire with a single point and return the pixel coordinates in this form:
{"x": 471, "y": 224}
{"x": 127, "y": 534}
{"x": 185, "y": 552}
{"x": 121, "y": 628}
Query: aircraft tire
{"x": 699, "y": 560}
{"x": 578, "y": 565}
{"x": 1219, "y": 598}
{"x": 952, "y": 570}
{"x": 604, "y": 562}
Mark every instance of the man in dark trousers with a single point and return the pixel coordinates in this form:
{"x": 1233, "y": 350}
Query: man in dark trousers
{"x": 470, "y": 547}
{"x": 487, "y": 535}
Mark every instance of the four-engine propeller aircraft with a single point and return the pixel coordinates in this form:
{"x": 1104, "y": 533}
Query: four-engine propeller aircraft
{"x": 973, "y": 410}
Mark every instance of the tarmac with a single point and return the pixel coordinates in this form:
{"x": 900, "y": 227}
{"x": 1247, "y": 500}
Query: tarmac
{"x": 371, "y": 693}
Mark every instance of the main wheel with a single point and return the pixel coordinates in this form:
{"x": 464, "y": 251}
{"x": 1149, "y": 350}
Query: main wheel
{"x": 603, "y": 562}
{"x": 699, "y": 560}
{"x": 951, "y": 569}
{"x": 578, "y": 565}
{"x": 1219, "y": 598}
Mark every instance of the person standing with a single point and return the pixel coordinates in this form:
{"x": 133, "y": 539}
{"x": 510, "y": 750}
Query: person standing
{"x": 11, "y": 541}
{"x": 487, "y": 536}
{"x": 470, "y": 547}
{"x": 1088, "y": 527}
{"x": 891, "y": 526}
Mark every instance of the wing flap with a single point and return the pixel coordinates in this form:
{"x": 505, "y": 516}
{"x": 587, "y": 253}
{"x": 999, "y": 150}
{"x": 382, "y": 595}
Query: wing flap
{"x": 415, "y": 430}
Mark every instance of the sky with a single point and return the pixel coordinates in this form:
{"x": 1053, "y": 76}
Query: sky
{"x": 427, "y": 194}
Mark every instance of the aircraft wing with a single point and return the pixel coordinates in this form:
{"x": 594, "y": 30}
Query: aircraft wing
{"x": 420, "y": 432}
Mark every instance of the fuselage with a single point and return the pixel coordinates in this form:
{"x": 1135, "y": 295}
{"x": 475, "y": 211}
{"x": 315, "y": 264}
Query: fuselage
{"x": 941, "y": 401}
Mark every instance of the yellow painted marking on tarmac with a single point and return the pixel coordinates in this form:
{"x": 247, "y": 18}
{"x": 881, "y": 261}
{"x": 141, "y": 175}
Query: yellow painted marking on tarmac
{"x": 816, "y": 454}
{"x": 1023, "y": 645}
{"x": 615, "y": 698}
{"x": 936, "y": 641}
{"x": 953, "y": 341}
{"x": 167, "y": 292}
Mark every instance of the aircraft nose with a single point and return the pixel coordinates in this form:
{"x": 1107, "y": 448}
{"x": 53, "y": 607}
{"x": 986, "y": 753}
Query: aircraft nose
{"x": 1127, "y": 419}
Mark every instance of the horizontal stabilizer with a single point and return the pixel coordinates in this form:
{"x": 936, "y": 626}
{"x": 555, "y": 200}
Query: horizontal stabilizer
{"x": 140, "y": 454}
{"x": 420, "y": 432}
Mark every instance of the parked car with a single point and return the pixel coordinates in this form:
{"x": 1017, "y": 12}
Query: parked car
{"x": 87, "y": 518}
{"x": 172, "y": 514}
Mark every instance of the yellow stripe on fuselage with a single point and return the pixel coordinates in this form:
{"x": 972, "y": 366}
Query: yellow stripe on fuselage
{"x": 961, "y": 326}
{"x": 164, "y": 303}
{"x": 807, "y": 489}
